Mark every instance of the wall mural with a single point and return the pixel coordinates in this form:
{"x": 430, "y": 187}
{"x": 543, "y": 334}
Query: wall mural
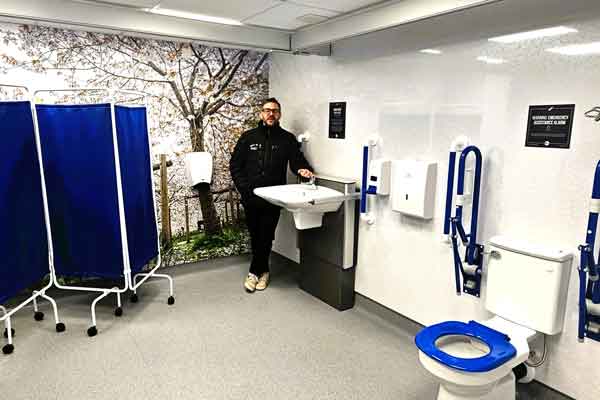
{"x": 200, "y": 99}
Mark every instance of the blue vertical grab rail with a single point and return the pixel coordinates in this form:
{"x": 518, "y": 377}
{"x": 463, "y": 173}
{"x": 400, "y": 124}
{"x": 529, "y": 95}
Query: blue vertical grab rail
{"x": 470, "y": 274}
{"x": 589, "y": 272}
{"x": 365, "y": 188}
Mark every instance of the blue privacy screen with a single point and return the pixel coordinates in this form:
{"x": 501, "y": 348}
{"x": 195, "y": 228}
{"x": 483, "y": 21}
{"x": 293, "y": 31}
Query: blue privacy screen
{"x": 136, "y": 175}
{"x": 23, "y": 240}
{"x": 79, "y": 165}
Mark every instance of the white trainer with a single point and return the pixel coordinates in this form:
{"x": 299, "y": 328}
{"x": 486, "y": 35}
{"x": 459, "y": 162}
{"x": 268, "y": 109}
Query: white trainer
{"x": 250, "y": 283}
{"x": 263, "y": 281}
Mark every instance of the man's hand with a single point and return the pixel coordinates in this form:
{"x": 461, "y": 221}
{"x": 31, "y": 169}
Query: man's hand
{"x": 305, "y": 173}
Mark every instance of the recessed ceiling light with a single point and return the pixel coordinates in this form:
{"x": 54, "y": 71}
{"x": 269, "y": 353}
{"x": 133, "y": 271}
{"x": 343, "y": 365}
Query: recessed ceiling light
{"x": 577, "y": 49}
{"x": 431, "y": 51}
{"x": 490, "y": 60}
{"x": 194, "y": 16}
{"x": 540, "y": 33}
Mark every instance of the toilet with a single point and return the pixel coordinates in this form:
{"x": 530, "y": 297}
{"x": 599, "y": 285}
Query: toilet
{"x": 527, "y": 288}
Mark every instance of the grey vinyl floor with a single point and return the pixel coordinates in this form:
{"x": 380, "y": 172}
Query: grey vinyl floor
{"x": 217, "y": 342}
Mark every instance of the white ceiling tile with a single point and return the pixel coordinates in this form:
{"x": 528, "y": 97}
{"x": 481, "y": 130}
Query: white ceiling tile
{"x": 342, "y": 6}
{"x": 286, "y": 16}
{"x": 234, "y": 9}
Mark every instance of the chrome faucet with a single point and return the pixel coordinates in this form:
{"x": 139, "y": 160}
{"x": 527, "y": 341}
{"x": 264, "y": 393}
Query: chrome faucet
{"x": 311, "y": 183}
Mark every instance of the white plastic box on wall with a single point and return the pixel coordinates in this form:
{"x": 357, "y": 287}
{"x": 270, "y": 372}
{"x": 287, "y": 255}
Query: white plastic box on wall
{"x": 413, "y": 187}
{"x": 379, "y": 176}
{"x": 198, "y": 168}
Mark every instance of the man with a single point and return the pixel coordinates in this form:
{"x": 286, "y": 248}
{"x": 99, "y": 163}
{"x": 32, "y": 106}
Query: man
{"x": 260, "y": 158}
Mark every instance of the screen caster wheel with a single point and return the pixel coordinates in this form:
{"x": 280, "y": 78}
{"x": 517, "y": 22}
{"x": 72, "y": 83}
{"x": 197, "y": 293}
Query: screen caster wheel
{"x": 38, "y": 316}
{"x": 171, "y": 300}
{"x": 118, "y": 312}
{"x": 8, "y": 349}
{"x": 92, "y": 331}
{"x": 60, "y": 327}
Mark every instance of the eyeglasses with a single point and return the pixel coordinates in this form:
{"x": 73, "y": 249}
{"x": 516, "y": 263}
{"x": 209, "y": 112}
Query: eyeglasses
{"x": 270, "y": 111}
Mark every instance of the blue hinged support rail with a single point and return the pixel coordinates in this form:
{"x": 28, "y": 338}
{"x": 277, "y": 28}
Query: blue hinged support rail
{"x": 589, "y": 272}
{"x": 365, "y": 188}
{"x": 471, "y": 272}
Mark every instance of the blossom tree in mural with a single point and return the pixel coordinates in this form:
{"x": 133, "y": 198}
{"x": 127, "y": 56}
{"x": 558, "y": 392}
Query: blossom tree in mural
{"x": 213, "y": 91}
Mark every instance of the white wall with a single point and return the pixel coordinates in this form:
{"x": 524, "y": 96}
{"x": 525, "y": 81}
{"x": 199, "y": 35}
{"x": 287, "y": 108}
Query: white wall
{"x": 418, "y": 103}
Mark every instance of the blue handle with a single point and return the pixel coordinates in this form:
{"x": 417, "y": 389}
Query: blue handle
{"x": 582, "y": 294}
{"x": 596, "y": 188}
{"x": 449, "y": 192}
{"x": 476, "y": 190}
{"x": 457, "y": 263}
{"x": 363, "y": 186}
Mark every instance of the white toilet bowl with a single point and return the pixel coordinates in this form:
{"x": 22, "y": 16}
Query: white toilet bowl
{"x": 526, "y": 290}
{"x": 464, "y": 364}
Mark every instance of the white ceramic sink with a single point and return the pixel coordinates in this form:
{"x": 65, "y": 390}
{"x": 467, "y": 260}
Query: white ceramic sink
{"x": 307, "y": 203}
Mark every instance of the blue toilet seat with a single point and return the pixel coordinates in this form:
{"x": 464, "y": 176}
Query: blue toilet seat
{"x": 501, "y": 350}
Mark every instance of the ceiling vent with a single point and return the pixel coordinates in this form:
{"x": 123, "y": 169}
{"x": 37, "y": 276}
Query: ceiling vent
{"x": 311, "y": 19}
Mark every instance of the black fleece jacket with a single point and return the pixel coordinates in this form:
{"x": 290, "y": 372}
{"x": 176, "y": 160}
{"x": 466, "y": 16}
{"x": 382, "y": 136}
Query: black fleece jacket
{"x": 261, "y": 156}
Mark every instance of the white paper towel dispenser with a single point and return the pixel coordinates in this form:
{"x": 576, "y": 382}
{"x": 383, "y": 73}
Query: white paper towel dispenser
{"x": 413, "y": 187}
{"x": 198, "y": 168}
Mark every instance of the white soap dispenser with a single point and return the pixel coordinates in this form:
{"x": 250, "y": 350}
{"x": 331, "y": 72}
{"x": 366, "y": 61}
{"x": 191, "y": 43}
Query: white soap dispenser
{"x": 379, "y": 177}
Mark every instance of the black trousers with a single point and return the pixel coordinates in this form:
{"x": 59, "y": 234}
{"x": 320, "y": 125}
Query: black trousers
{"x": 261, "y": 218}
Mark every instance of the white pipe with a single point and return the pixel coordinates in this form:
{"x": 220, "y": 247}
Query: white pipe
{"x": 54, "y": 306}
{"x": 344, "y": 197}
{"x": 96, "y": 300}
{"x": 8, "y": 327}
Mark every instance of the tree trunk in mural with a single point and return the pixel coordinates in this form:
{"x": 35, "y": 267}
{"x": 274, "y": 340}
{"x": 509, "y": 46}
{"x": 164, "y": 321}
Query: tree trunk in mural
{"x": 217, "y": 92}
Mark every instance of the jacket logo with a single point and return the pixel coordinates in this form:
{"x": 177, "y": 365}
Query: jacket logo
{"x": 255, "y": 146}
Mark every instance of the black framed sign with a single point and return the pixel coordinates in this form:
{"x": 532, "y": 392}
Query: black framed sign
{"x": 550, "y": 126}
{"x": 337, "y": 120}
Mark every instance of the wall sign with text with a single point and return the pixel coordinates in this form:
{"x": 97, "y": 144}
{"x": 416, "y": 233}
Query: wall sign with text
{"x": 550, "y": 126}
{"x": 337, "y": 120}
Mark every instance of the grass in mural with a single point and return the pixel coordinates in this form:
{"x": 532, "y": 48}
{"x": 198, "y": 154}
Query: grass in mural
{"x": 234, "y": 240}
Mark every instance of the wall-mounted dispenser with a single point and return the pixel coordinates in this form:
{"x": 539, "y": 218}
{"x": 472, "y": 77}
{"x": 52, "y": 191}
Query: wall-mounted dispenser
{"x": 589, "y": 272}
{"x": 198, "y": 168}
{"x": 379, "y": 177}
{"x": 413, "y": 187}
